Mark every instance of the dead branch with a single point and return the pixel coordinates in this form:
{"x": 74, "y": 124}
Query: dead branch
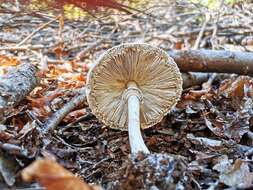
{"x": 194, "y": 78}
{"x": 56, "y": 118}
{"x": 16, "y": 85}
{"x": 13, "y": 149}
{"x": 214, "y": 61}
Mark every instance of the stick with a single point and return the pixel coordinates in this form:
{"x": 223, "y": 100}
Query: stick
{"x": 23, "y": 48}
{"x": 56, "y": 118}
{"x": 207, "y": 18}
{"x": 196, "y": 78}
{"x": 214, "y": 61}
{"x": 86, "y": 50}
{"x": 37, "y": 30}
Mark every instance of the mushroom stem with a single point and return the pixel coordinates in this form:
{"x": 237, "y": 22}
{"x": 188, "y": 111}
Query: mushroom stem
{"x": 134, "y": 131}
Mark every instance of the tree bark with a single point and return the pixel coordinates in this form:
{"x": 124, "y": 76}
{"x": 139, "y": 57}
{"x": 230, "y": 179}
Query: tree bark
{"x": 218, "y": 61}
{"x": 15, "y": 86}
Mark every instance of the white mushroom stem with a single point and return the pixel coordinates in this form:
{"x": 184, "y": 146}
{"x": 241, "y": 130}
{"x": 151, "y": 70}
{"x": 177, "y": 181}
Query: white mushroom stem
{"x": 134, "y": 129}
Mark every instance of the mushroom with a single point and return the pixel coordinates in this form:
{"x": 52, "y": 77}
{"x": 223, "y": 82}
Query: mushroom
{"x": 132, "y": 87}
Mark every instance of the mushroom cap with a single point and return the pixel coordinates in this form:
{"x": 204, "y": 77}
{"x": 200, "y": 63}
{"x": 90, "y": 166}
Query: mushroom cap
{"x": 155, "y": 74}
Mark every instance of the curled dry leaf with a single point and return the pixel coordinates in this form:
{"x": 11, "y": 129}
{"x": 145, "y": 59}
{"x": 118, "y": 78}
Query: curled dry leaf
{"x": 53, "y": 176}
{"x": 41, "y": 106}
{"x": 234, "y": 175}
{"x": 44, "y": 100}
{"x": 238, "y": 89}
{"x": 74, "y": 115}
{"x": 235, "y": 124}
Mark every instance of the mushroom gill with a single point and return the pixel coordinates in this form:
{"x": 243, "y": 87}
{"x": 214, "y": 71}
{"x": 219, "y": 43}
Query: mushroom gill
{"x": 151, "y": 69}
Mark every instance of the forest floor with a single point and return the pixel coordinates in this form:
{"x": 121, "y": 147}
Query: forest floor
{"x": 209, "y": 132}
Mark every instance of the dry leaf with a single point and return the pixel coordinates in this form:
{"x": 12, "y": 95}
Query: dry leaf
{"x": 53, "y": 176}
{"x": 8, "y": 61}
{"x": 237, "y": 175}
{"x": 239, "y": 88}
{"x": 74, "y": 115}
{"x": 60, "y": 50}
{"x": 44, "y": 100}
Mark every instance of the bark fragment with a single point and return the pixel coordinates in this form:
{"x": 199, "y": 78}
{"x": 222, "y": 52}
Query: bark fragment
{"x": 15, "y": 86}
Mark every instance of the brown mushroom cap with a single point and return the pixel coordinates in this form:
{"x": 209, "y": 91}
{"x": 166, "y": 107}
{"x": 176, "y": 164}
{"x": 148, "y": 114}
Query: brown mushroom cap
{"x": 152, "y": 69}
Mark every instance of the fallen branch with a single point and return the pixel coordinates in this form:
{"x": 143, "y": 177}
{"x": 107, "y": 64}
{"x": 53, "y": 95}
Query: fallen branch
{"x": 194, "y": 78}
{"x": 81, "y": 54}
{"x": 15, "y": 86}
{"x": 56, "y": 118}
{"x": 214, "y": 61}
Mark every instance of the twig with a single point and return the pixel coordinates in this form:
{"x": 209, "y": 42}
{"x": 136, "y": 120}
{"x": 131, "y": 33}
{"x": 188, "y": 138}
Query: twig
{"x": 82, "y": 118}
{"x": 79, "y": 56}
{"x": 23, "y": 48}
{"x": 207, "y": 85}
{"x": 11, "y": 38}
{"x": 207, "y": 18}
{"x": 14, "y": 149}
{"x": 35, "y": 31}
{"x": 56, "y": 118}
{"x": 215, "y": 27}
{"x": 194, "y": 78}
{"x": 86, "y": 50}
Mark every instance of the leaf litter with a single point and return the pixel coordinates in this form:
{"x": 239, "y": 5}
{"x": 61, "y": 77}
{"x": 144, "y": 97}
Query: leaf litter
{"x": 204, "y": 143}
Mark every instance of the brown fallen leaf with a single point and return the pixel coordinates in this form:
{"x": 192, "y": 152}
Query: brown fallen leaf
{"x": 43, "y": 100}
{"x": 237, "y": 89}
{"x": 8, "y": 61}
{"x": 53, "y": 176}
{"x": 74, "y": 115}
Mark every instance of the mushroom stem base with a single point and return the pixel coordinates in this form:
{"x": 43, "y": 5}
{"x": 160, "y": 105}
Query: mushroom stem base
{"x": 134, "y": 131}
